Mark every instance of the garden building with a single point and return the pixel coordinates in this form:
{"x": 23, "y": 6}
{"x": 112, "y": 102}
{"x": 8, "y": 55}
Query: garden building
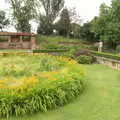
{"x": 17, "y": 40}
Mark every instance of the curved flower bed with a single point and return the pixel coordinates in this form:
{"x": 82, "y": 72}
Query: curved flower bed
{"x": 51, "y": 82}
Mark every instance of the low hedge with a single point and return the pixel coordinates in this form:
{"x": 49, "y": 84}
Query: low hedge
{"x": 50, "y": 50}
{"x": 41, "y": 91}
{"x": 106, "y": 55}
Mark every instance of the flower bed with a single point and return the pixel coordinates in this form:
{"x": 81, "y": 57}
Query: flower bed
{"x": 37, "y": 82}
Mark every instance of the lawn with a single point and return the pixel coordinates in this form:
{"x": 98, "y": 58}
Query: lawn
{"x": 100, "y": 101}
{"x": 58, "y": 42}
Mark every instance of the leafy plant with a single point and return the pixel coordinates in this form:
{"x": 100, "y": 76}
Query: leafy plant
{"x": 84, "y": 59}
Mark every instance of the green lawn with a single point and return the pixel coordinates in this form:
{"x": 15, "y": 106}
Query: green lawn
{"x": 100, "y": 101}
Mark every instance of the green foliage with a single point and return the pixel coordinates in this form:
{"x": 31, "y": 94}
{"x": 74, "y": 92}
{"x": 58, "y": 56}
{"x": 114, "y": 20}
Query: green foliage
{"x": 10, "y": 67}
{"x": 75, "y": 30}
{"x": 63, "y": 25}
{"x": 45, "y": 27}
{"x": 22, "y": 14}
{"x": 51, "y": 45}
{"x": 3, "y": 20}
{"x": 87, "y": 33}
{"x": 40, "y": 98}
{"x": 108, "y": 23}
{"x": 51, "y": 11}
{"x": 54, "y": 88}
{"x": 49, "y": 42}
{"x": 50, "y": 50}
{"x": 106, "y": 55}
{"x": 84, "y": 59}
{"x": 118, "y": 48}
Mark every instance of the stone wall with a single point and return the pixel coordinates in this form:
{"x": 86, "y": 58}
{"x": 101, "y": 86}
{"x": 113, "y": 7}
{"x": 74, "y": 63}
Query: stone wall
{"x": 115, "y": 64}
{"x": 24, "y": 45}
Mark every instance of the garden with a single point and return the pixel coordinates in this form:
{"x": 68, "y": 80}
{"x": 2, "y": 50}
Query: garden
{"x": 59, "y": 66}
{"x": 31, "y": 83}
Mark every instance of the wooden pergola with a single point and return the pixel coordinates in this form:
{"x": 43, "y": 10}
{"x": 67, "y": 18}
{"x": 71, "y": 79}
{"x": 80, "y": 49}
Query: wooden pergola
{"x": 16, "y": 40}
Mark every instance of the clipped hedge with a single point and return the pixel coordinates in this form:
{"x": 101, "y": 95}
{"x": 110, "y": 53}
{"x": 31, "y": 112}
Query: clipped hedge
{"x": 50, "y": 50}
{"x": 42, "y": 91}
{"x": 106, "y": 55}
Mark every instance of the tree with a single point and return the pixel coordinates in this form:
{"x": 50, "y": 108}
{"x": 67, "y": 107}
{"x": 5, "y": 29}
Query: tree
{"x": 107, "y": 24}
{"x": 99, "y": 24}
{"x": 51, "y": 11}
{"x": 75, "y": 30}
{"x": 64, "y": 24}
{"x": 22, "y": 14}
{"x": 45, "y": 27}
{"x": 75, "y": 21}
{"x": 87, "y": 33}
{"x": 3, "y": 20}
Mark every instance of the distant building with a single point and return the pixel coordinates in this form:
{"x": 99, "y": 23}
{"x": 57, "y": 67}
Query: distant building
{"x": 12, "y": 40}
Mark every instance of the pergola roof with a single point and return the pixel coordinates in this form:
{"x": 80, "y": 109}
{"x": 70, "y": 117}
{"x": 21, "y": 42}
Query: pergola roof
{"x": 16, "y": 34}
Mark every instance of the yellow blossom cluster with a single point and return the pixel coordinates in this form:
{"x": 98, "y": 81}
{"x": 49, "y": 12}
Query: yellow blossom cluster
{"x": 13, "y": 83}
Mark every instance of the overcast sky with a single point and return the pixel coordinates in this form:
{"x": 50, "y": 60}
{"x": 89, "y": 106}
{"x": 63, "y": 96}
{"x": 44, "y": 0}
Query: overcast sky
{"x": 87, "y": 9}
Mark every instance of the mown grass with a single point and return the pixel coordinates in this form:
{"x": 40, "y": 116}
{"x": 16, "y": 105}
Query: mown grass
{"x": 100, "y": 101}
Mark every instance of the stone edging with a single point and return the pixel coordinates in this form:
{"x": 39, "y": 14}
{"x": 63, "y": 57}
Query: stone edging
{"x": 115, "y": 64}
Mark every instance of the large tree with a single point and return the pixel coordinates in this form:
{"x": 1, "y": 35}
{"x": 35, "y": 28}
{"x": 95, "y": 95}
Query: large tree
{"x": 107, "y": 24}
{"x": 3, "y": 20}
{"x": 64, "y": 24}
{"x": 48, "y": 16}
{"x": 22, "y": 14}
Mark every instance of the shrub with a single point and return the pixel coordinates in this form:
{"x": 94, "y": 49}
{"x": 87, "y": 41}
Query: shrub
{"x": 40, "y": 90}
{"x": 84, "y": 59}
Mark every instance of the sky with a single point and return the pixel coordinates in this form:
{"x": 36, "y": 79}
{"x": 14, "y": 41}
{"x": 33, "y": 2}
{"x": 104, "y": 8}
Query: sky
{"x": 87, "y": 9}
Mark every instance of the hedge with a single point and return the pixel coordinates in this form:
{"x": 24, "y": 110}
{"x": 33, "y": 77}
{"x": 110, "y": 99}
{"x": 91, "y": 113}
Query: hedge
{"x": 106, "y": 55}
{"x": 50, "y": 50}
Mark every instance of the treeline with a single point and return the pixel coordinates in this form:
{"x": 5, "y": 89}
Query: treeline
{"x": 54, "y": 17}
{"x": 23, "y": 11}
{"x": 107, "y": 24}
